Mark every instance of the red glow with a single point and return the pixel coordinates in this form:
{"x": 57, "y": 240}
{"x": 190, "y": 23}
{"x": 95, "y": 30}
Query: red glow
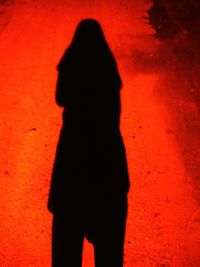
{"x": 162, "y": 226}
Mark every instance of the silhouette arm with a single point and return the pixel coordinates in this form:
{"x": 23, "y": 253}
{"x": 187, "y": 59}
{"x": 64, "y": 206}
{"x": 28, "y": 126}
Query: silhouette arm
{"x": 114, "y": 79}
{"x": 61, "y": 90}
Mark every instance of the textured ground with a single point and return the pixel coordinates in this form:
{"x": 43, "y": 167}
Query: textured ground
{"x": 159, "y": 122}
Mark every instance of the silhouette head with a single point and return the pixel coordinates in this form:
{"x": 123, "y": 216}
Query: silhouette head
{"x": 88, "y": 42}
{"x": 88, "y": 34}
{"x": 89, "y": 52}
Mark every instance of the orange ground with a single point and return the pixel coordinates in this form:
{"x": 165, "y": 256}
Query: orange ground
{"x": 159, "y": 122}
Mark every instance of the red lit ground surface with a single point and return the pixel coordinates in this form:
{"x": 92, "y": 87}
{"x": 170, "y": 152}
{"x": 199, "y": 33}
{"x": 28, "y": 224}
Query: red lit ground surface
{"x": 159, "y": 122}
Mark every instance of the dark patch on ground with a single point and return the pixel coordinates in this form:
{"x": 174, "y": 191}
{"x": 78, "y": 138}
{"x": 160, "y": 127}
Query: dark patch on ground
{"x": 6, "y": 8}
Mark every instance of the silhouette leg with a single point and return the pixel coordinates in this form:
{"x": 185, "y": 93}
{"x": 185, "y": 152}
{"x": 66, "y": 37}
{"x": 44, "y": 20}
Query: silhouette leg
{"x": 67, "y": 242}
{"x": 109, "y": 242}
{"x": 109, "y": 253}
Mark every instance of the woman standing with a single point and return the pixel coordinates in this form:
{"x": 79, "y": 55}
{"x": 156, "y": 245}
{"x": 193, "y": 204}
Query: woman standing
{"x": 88, "y": 193}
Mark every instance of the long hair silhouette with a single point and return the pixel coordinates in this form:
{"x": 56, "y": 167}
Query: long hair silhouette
{"x": 88, "y": 192}
{"x": 88, "y": 42}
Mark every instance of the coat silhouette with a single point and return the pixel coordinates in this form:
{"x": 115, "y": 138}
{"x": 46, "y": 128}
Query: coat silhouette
{"x": 88, "y": 192}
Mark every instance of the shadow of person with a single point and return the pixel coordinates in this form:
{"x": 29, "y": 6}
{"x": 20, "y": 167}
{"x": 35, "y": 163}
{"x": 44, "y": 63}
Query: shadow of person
{"x": 88, "y": 192}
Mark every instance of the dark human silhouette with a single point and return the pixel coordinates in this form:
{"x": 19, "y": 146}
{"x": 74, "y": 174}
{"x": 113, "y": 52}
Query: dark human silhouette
{"x": 88, "y": 192}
